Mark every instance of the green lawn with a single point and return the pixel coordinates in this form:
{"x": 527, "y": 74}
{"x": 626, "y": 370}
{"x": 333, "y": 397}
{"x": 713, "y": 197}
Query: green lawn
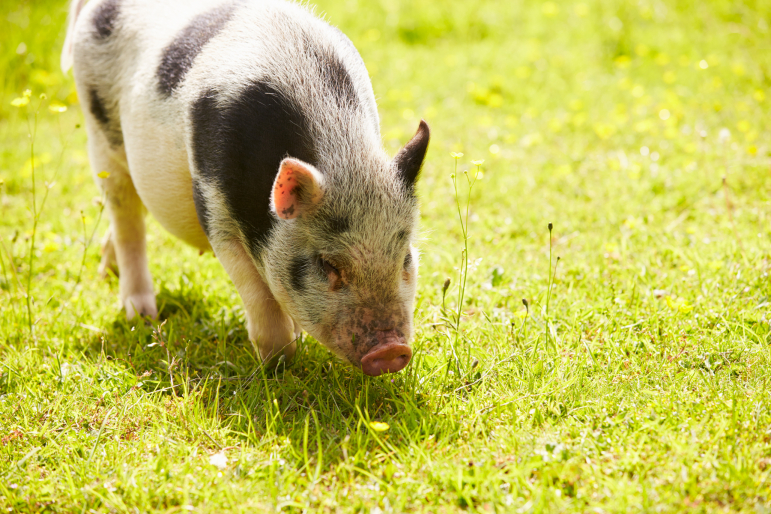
{"x": 639, "y": 382}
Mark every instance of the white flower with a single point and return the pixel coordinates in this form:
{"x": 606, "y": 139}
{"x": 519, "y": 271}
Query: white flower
{"x": 219, "y": 460}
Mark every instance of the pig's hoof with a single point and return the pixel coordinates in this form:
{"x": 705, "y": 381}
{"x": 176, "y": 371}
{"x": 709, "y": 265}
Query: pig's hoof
{"x": 109, "y": 262}
{"x": 142, "y": 305}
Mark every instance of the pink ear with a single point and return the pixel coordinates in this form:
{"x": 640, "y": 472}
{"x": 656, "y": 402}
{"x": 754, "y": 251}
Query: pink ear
{"x": 297, "y": 189}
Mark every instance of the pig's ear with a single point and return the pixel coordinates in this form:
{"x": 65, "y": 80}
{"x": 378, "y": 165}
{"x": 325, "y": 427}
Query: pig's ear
{"x": 298, "y": 188}
{"x": 409, "y": 160}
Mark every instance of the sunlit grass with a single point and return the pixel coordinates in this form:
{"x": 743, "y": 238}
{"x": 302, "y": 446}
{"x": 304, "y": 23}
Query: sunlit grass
{"x": 633, "y": 376}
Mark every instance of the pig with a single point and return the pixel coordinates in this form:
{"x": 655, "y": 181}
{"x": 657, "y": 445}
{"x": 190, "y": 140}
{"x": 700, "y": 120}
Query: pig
{"x": 250, "y": 128}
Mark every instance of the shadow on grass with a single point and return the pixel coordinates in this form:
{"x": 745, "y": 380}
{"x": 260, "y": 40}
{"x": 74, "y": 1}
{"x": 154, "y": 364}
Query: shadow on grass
{"x": 199, "y": 351}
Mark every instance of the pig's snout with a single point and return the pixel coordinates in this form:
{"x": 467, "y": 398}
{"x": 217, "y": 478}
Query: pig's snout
{"x": 389, "y": 356}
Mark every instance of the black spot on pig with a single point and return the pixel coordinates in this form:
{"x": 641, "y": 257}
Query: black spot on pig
{"x": 298, "y": 268}
{"x": 200, "y": 207}
{"x": 407, "y": 260}
{"x": 178, "y": 57}
{"x": 105, "y": 18}
{"x": 109, "y": 124}
{"x": 97, "y": 107}
{"x": 333, "y": 73}
{"x": 238, "y": 148}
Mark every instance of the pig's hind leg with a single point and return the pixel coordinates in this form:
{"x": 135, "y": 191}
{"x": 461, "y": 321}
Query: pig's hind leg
{"x": 272, "y": 332}
{"x": 125, "y": 243}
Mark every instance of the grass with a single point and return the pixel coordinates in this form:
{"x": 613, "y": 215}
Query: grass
{"x": 639, "y": 129}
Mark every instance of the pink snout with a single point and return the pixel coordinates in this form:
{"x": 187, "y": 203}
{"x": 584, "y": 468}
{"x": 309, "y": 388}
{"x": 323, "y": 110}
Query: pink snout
{"x": 386, "y": 358}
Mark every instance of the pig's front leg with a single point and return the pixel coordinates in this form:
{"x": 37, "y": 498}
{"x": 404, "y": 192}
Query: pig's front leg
{"x": 272, "y": 332}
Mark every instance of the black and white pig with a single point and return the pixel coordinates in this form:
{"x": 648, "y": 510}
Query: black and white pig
{"x": 249, "y": 127}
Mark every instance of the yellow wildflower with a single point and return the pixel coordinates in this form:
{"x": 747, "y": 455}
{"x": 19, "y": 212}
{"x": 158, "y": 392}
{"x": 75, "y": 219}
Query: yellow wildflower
{"x": 57, "y": 108}
{"x": 379, "y": 426}
{"x": 679, "y": 305}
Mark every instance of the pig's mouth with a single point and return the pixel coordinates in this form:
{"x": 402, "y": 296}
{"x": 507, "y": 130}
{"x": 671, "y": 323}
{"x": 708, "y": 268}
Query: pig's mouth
{"x": 389, "y": 357}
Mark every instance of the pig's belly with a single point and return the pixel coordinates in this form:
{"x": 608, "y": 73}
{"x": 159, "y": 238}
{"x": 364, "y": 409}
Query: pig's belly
{"x": 158, "y": 164}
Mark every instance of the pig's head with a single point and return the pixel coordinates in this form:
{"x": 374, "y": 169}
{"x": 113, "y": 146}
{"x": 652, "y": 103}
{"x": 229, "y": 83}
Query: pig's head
{"x": 341, "y": 260}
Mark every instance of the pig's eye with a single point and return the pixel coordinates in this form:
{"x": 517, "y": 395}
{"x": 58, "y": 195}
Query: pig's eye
{"x": 328, "y": 268}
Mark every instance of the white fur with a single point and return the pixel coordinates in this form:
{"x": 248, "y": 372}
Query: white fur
{"x": 66, "y": 59}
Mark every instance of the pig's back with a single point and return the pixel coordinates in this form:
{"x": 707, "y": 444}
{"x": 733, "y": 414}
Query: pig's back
{"x": 286, "y": 46}
{"x": 209, "y": 95}
{"x": 172, "y": 51}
